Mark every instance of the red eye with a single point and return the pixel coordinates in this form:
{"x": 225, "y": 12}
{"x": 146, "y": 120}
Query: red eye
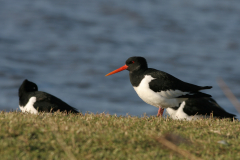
{"x": 132, "y": 61}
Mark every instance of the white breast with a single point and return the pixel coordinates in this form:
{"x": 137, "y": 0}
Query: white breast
{"x": 29, "y": 106}
{"x": 181, "y": 115}
{"x": 164, "y": 99}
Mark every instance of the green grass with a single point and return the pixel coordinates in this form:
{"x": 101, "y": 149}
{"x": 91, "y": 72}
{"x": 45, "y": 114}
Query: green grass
{"x": 104, "y": 136}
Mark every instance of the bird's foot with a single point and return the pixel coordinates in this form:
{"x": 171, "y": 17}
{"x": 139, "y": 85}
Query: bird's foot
{"x": 160, "y": 111}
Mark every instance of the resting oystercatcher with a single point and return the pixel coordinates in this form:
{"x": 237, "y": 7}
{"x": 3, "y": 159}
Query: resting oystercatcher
{"x": 158, "y": 88}
{"x": 33, "y": 101}
{"x": 195, "y": 108}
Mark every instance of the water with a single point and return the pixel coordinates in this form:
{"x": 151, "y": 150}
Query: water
{"x": 67, "y": 47}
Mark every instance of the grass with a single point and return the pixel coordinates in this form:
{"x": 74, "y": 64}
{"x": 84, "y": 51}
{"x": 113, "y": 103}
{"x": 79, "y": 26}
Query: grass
{"x": 104, "y": 136}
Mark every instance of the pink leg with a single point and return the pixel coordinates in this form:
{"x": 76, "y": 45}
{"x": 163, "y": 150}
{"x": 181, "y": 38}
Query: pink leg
{"x": 160, "y": 111}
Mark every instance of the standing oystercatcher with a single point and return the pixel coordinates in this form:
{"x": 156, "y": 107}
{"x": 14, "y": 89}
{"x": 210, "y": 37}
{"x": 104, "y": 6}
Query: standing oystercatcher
{"x": 33, "y": 101}
{"x": 158, "y": 88}
{"x": 195, "y": 108}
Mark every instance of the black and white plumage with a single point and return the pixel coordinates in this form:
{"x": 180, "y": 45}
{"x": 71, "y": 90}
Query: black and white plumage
{"x": 195, "y": 108}
{"x": 33, "y": 101}
{"x": 158, "y": 88}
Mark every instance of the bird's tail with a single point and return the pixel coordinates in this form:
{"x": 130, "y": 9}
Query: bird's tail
{"x": 205, "y": 87}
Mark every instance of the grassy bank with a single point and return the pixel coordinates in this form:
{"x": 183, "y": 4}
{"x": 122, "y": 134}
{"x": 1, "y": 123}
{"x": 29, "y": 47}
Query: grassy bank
{"x": 102, "y": 136}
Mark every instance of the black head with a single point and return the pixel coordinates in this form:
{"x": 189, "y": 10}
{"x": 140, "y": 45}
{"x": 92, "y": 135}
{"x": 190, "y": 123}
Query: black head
{"x": 27, "y": 86}
{"x": 136, "y": 63}
{"x": 132, "y": 64}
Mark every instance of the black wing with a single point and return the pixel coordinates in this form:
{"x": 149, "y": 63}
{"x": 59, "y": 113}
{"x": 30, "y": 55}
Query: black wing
{"x": 49, "y": 103}
{"x": 166, "y": 82}
{"x": 205, "y": 106}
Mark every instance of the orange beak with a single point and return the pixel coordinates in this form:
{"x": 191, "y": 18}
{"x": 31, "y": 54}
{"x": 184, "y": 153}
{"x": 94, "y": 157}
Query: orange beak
{"x": 117, "y": 70}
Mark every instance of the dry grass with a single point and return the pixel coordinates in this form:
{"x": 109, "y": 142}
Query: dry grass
{"x": 103, "y": 136}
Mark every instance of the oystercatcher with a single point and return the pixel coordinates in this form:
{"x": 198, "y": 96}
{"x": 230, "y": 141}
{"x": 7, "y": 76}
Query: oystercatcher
{"x": 33, "y": 101}
{"x": 158, "y": 88}
{"x": 195, "y": 108}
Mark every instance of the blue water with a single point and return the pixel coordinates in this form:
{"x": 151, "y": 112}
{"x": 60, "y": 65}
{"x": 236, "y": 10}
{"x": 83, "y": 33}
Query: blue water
{"x": 67, "y": 47}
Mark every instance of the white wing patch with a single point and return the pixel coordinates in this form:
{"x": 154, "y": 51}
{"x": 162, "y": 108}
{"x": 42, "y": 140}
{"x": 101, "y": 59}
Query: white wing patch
{"x": 29, "y": 106}
{"x": 172, "y": 93}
